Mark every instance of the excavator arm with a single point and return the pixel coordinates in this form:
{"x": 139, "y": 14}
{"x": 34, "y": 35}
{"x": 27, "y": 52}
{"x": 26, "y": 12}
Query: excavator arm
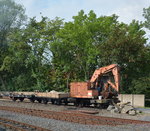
{"x": 114, "y": 68}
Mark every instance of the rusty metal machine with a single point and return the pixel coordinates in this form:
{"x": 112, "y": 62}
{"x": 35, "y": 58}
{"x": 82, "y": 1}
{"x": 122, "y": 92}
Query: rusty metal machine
{"x": 104, "y": 83}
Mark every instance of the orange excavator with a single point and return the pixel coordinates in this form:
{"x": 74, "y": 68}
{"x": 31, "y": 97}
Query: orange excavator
{"x": 104, "y": 82}
{"x": 108, "y": 79}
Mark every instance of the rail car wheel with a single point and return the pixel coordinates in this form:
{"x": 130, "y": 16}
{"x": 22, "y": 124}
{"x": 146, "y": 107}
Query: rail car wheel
{"x": 32, "y": 100}
{"x": 39, "y": 100}
{"x": 96, "y": 105}
{"x": 21, "y": 99}
{"x": 58, "y": 102}
{"x": 76, "y": 104}
{"x": 66, "y": 102}
{"x": 45, "y": 101}
{"x": 82, "y": 103}
{"x": 53, "y": 101}
{"x": 14, "y": 98}
{"x": 104, "y": 105}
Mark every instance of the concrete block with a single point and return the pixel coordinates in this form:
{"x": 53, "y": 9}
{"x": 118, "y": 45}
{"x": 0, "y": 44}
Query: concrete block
{"x": 139, "y": 100}
{"x": 136, "y": 100}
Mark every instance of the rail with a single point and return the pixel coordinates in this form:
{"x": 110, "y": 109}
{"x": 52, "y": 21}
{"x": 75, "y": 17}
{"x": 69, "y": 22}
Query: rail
{"x": 75, "y": 117}
{"x": 19, "y": 126}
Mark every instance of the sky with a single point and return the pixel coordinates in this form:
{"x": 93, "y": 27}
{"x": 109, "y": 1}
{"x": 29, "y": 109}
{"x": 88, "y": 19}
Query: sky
{"x": 127, "y": 10}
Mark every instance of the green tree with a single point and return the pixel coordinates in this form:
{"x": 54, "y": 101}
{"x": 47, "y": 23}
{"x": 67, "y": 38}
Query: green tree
{"x": 90, "y": 42}
{"x": 32, "y": 52}
{"x": 146, "y": 14}
{"x": 11, "y": 17}
{"x": 126, "y": 46}
{"x": 76, "y": 52}
{"x": 141, "y": 83}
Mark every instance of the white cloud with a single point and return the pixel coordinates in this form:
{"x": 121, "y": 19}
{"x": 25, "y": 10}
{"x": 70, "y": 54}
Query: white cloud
{"x": 131, "y": 11}
{"x": 128, "y": 13}
{"x": 29, "y": 6}
{"x": 26, "y": 3}
{"x": 127, "y": 10}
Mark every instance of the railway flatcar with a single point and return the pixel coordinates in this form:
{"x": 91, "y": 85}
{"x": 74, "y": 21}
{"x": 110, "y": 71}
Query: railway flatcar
{"x": 101, "y": 89}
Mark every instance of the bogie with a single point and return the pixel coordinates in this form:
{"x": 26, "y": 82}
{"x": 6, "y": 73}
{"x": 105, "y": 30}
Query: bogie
{"x": 21, "y": 99}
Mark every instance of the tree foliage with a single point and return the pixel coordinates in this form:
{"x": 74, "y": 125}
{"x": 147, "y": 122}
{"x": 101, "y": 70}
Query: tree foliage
{"x": 90, "y": 42}
{"x": 30, "y": 52}
{"x": 146, "y": 15}
{"x": 49, "y": 54}
{"x": 11, "y": 18}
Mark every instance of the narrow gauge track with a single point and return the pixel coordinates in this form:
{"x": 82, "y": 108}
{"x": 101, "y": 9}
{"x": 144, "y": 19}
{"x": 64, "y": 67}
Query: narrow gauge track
{"x": 75, "y": 117}
{"x": 19, "y": 126}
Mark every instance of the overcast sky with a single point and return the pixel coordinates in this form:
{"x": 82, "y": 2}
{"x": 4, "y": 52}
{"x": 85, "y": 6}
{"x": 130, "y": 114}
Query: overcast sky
{"x": 127, "y": 10}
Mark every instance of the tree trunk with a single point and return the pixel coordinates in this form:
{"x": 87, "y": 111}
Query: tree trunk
{"x": 3, "y": 83}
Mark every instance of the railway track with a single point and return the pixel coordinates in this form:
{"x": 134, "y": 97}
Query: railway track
{"x": 19, "y": 126}
{"x": 75, "y": 117}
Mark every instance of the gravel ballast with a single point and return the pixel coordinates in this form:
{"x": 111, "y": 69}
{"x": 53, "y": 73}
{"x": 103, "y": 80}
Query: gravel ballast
{"x": 142, "y": 116}
{"x": 56, "y": 125}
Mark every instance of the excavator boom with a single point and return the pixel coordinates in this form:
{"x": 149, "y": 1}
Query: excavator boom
{"x": 114, "y": 68}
